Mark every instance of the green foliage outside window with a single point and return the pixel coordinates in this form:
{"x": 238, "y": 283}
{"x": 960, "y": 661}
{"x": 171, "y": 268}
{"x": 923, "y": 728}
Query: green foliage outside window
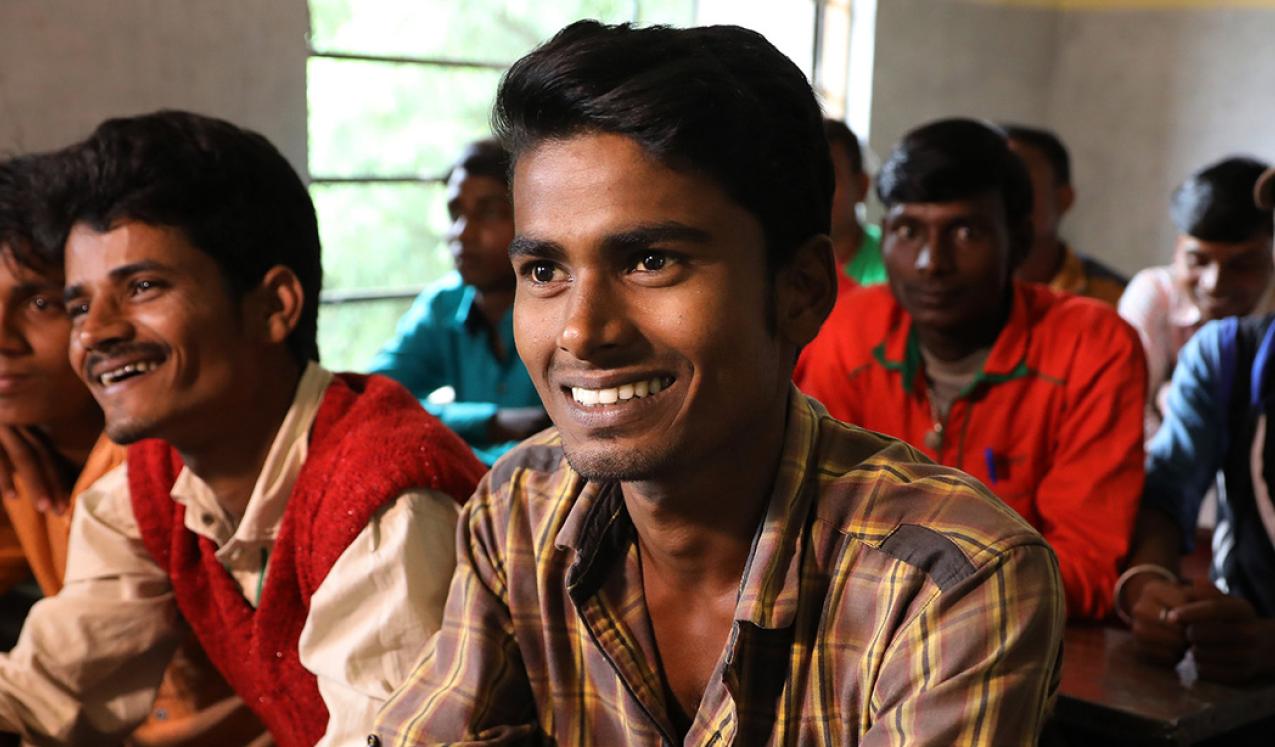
{"x": 375, "y": 119}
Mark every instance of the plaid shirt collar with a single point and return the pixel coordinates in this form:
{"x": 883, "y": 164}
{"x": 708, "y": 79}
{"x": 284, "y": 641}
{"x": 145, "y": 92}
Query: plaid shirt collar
{"x": 598, "y": 530}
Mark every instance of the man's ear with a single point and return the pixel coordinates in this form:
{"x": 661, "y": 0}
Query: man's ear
{"x": 806, "y": 289}
{"x": 1066, "y": 197}
{"x": 277, "y": 304}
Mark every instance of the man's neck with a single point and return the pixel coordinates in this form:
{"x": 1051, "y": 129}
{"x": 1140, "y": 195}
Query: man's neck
{"x": 493, "y": 304}
{"x": 695, "y": 530}
{"x": 1044, "y": 261}
{"x": 846, "y": 240}
{"x": 231, "y": 460}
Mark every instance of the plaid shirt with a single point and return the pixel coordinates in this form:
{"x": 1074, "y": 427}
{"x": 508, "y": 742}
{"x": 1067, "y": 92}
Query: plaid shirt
{"x": 886, "y": 601}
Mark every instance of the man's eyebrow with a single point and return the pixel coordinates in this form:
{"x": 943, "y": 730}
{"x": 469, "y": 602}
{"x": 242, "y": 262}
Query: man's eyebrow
{"x": 639, "y": 237}
{"x": 642, "y": 237}
{"x": 526, "y": 246}
{"x": 117, "y": 274}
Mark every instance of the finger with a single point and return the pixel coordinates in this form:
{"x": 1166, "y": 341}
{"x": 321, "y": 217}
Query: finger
{"x": 1159, "y": 595}
{"x": 7, "y": 485}
{"x": 1221, "y": 634}
{"x": 1220, "y": 608}
{"x": 1201, "y": 589}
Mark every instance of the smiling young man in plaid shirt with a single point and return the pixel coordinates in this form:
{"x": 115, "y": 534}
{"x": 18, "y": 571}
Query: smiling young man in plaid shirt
{"x": 699, "y": 554}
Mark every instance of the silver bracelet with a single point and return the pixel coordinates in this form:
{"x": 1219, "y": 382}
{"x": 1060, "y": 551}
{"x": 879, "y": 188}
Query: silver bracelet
{"x": 1129, "y": 573}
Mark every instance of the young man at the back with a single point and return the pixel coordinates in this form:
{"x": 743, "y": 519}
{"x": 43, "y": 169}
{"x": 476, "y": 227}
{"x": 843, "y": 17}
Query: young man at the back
{"x": 855, "y": 247}
{"x": 1051, "y": 260}
{"x": 298, "y": 522}
{"x": 460, "y": 332}
{"x": 1035, "y": 393}
{"x": 698, "y": 553}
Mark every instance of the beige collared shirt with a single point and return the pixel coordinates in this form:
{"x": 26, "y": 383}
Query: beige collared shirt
{"x": 89, "y": 660}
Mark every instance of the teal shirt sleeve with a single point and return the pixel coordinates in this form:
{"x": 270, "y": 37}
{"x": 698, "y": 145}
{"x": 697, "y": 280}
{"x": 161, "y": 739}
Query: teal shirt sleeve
{"x": 422, "y": 357}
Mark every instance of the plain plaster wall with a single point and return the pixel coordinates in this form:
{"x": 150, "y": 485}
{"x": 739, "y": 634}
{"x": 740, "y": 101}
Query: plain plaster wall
{"x": 1142, "y": 97}
{"x": 65, "y": 65}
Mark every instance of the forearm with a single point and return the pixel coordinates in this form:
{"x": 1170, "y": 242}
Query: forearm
{"x": 86, "y": 672}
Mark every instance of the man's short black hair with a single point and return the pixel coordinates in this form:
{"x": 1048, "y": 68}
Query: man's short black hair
{"x": 718, "y": 100}
{"x": 1216, "y": 203}
{"x": 956, "y": 159}
{"x": 483, "y": 158}
{"x": 839, "y": 132}
{"x": 1048, "y": 144}
{"x": 228, "y": 190}
{"x": 18, "y": 207}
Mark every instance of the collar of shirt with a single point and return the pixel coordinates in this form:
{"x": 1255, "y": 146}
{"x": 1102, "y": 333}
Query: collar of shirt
{"x": 260, "y": 523}
{"x": 901, "y": 350}
{"x": 1071, "y": 277}
{"x": 598, "y": 530}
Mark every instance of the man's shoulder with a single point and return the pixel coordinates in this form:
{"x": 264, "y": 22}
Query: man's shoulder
{"x": 1097, "y": 270}
{"x": 882, "y": 492}
{"x": 1072, "y": 325}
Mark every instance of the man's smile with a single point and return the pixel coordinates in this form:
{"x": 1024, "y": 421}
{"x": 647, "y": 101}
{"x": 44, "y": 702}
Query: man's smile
{"x": 609, "y": 395}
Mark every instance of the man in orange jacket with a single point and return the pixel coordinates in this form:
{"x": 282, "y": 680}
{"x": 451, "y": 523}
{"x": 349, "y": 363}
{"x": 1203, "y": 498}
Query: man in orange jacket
{"x": 1036, "y": 393}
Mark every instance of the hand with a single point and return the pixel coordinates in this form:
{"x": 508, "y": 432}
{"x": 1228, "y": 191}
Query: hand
{"x": 1229, "y": 642}
{"x": 1157, "y": 637}
{"x": 25, "y": 457}
{"x": 517, "y": 423}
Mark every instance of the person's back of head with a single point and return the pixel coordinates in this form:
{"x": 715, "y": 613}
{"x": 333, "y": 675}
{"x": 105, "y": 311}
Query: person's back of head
{"x": 1216, "y": 203}
{"x": 718, "y": 100}
{"x": 1048, "y": 144}
{"x": 228, "y": 190}
{"x": 839, "y": 133}
{"x": 955, "y": 159}
{"x": 19, "y": 203}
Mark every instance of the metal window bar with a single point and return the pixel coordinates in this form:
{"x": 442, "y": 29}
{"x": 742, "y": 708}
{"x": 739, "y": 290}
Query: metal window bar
{"x": 369, "y": 295}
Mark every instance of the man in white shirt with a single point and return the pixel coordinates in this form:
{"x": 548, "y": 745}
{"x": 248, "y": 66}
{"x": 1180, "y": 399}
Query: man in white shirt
{"x": 298, "y": 523}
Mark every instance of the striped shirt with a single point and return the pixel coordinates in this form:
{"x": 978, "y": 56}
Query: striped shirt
{"x": 886, "y": 601}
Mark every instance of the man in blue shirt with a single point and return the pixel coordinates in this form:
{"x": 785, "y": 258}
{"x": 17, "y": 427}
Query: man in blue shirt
{"x": 459, "y": 332}
{"x": 1218, "y": 420}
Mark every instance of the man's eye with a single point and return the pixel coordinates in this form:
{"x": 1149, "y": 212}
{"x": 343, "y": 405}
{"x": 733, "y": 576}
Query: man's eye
{"x": 141, "y": 286}
{"x": 905, "y": 231}
{"x": 542, "y": 272}
{"x": 77, "y": 309}
{"x": 652, "y": 262}
{"x": 44, "y": 303}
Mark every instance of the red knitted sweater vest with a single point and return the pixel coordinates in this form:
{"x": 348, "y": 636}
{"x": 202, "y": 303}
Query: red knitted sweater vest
{"x": 370, "y": 442}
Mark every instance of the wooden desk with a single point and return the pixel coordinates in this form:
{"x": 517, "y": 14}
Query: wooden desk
{"x": 1108, "y": 694}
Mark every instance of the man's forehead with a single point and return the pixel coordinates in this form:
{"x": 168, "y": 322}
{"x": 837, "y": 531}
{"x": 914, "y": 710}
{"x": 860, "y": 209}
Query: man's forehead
{"x": 984, "y": 205}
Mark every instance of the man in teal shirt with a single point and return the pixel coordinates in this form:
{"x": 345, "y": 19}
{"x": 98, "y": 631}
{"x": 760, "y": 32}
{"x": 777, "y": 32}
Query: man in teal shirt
{"x": 857, "y": 247}
{"x": 459, "y": 332}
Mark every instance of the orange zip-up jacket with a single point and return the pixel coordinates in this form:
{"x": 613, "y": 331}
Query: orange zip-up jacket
{"x": 1052, "y": 424}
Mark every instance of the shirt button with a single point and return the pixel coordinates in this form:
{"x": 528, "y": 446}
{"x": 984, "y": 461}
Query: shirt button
{"x": 373, "y": 740}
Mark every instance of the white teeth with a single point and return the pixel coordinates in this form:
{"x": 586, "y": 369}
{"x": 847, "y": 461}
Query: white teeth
{"x": 611, "y": 395}
{"x": 114, "y": 375}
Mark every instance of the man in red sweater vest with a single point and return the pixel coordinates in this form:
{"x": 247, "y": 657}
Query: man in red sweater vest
{"x": 298, "y": 523}
{"x": 1033, "y": 392}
